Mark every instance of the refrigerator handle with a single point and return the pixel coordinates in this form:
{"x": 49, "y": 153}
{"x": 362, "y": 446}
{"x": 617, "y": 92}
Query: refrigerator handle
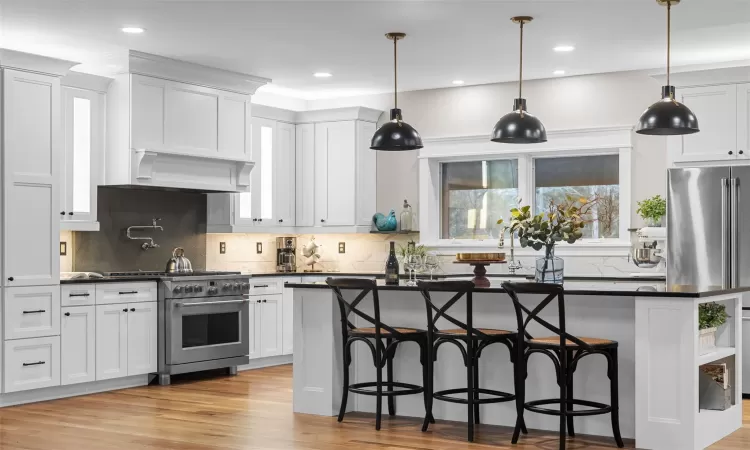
{"x": 725, "y": 235}
{"x": 734, "y": 227}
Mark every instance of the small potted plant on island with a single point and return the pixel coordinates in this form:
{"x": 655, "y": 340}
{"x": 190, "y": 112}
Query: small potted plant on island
{"x": 652, "y": 210}
{"x": 710, "y": 317}
{"x": 562, "y": 222}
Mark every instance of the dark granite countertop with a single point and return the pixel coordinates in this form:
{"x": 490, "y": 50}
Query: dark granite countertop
{"x": 623, "y": 288}
{"x": 448, "y": 275}
{"x": 108, "y": 280}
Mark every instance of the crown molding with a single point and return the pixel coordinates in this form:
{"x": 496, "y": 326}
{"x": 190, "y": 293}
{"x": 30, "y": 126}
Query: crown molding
{"x": 182, "y": 71}
{"x": 273, "y": 113}
{"x": 736, "y": 72}
{"x": 87, "y": 81}
{"x": 28, "y": 62}
{"x": 339, "y": 114}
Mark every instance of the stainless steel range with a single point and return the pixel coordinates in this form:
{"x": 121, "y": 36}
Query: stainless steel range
{"x": 203, "y": 321}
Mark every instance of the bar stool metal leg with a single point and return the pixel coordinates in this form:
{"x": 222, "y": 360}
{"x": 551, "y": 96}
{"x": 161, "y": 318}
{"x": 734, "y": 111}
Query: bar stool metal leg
{"x": 614, "y": 394}
{"x": 470, "y": 387}
{"x": 379, "y": 354}
{"x": 571, "y": 428}
{"x": 345, "y": 394}
{"x": 476, "y": 392}
{"x": 562, "y": 380}
{"x": 389, "y": 364}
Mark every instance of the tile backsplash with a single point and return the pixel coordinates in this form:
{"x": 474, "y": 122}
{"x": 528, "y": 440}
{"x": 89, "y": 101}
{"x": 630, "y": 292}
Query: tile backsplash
{"x": 368, "y": 252}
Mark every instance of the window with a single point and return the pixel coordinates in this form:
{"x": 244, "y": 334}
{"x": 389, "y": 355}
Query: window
{"x": 588, "y": 177}
{"x": 474, "y": 195}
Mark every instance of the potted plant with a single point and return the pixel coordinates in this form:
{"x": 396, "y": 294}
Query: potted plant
{"x": 652, "y": 210}
{"x": 710, "y": 317}
{"x": 562, "y": 222}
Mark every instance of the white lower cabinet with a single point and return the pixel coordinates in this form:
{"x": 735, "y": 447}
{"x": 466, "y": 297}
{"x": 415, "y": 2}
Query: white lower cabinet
{"x": 271, "y": 325}
{"x": 125, "y": 339}
{"x": 31, "y": 312}
{"x": 287, "y": 314}
{"x": 253, "y": 328}
{"x": 31, "y": 363}
{"x": 77, "y": 344}
{"x": 142, "y": 338}
{"x": 111, "y": 341}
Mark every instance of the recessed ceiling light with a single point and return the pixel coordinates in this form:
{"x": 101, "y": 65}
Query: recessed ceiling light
{"x": 133, "y": 30}
{"x": 559, "y": 72}
{"x": 564, "y": 48}
{"x": 458, "y": 82}
{"x": 322, "y": 75}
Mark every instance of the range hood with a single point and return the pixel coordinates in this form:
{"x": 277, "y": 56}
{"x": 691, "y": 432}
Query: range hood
{"x": 178, "y": 125}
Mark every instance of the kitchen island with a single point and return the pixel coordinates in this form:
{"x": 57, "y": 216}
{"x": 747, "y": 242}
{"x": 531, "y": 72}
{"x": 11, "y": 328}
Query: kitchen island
{"x": 656, "y": 327}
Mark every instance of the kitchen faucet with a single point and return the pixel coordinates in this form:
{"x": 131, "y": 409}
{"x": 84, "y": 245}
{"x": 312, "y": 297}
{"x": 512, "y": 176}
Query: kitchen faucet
{"x": 153, "y": 226}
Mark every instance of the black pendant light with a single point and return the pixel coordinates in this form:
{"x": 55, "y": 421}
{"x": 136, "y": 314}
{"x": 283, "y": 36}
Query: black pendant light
{"x": 396, "y": 135}
{"x": 667, "y": 117}
{"x": 518, "y": 126}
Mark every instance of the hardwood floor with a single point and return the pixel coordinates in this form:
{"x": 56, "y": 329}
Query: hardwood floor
{"x": 250, "y": 411}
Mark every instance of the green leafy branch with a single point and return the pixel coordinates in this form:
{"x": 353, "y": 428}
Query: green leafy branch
{"x": 711, "y": 315}
{"x": 652, "y": 208}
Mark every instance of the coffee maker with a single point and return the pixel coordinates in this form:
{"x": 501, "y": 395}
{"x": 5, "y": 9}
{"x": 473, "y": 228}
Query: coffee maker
{"x": 286, "y": 259}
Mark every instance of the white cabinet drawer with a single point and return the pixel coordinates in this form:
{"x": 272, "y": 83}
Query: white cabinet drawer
{"x": 77, "y": 294}
{"x": 129, "y": 292}
{"x": 32, "y": 363}
{"x": 265, "y": 286}
{"x": 31, "y": 312}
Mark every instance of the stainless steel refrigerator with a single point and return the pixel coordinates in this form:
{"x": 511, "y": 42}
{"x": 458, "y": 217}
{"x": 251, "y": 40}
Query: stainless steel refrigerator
{"x": 708, "y": 234}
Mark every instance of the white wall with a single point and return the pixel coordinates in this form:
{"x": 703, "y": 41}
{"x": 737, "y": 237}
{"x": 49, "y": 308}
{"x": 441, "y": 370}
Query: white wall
{"x": 615, "y": 99}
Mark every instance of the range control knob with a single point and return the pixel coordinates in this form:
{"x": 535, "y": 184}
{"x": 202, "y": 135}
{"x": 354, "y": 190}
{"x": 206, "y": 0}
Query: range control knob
{"x": 226, "y": 287}
{"x": 177, "y": 289}
{"x": 236, "y": 287}
{"x": 188, "y": 289}
{"x": 245, "y": 286}
{"x": 213, "y": 290}
{"x": 198, "y": 288}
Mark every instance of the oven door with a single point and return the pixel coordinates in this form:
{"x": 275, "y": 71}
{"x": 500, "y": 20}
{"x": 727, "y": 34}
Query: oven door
{"x": 206, "y": 329}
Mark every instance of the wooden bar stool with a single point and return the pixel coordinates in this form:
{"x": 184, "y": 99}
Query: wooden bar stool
{"x": 382, "y": 354}
{"x": 566, "y": 351}
{"x": 471, "y": 342}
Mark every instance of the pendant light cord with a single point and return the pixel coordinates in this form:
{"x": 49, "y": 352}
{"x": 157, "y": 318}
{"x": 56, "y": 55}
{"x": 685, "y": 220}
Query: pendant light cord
{"x": 520, "y": 70}
{"x": 395, "y": 75}
{"x": 669, "y": 39}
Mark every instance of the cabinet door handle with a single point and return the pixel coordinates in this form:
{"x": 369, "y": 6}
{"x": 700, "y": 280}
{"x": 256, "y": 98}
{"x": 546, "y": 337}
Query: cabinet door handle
{"x": 84, "y": 294}
{"x": 132, "y": 309}
{"x": 127, "y": 292}
{"x": 67, "y": 314}
{"x": 34, "y": 363}
{"x": 10, "y": 278}
{"x": 62, "y": 213}
{"x": 281, "y": 220}
{"x": 125, "y": 310}
{"x": 36, "y": 311}
{"x": 260, "y": 285}
{"x": 257, "y": 301}
{"x": 264, "y": 300}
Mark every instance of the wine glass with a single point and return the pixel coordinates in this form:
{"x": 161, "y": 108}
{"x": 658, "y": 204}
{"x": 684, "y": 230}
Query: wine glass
{"x": 431, "y": 262}
{"x": 410, "y": 263}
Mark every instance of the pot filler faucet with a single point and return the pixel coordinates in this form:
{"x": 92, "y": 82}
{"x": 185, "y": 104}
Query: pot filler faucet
{"x": 153, "y": 226}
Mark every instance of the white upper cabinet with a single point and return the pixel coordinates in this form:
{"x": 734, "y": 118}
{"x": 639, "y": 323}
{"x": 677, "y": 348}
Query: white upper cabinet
{"x": 715, "y": 107}
{"x": 743, "y": 121}
{"x": 193, "y": 133}
{"x": 305, "y": 177}
{"x": 335, "y": 156}
{"x": 83, "y": 102}
{"x": 32, "y": 145}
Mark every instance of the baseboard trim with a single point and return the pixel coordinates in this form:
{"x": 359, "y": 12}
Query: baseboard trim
{"x": 746, "y": 396}
{"x": 270, "y": 361}
{"x": 71, "y": 390}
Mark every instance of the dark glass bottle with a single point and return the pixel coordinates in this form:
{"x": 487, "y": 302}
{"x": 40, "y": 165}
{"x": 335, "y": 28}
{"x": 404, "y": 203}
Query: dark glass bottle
{"x": 391, "y": 266}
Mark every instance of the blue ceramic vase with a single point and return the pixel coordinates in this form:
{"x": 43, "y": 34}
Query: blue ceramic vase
{"x": 385, "y": 223}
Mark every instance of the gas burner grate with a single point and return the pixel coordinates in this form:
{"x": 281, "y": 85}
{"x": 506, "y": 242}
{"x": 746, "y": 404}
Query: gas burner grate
{"x": 197, "y": 273}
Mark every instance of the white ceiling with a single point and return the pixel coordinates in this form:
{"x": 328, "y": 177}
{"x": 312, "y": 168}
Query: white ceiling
{"x": 469, "y": 40}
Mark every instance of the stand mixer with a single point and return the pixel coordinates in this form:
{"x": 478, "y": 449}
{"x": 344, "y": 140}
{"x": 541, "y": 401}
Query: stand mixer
{"x": 648, "y": 250}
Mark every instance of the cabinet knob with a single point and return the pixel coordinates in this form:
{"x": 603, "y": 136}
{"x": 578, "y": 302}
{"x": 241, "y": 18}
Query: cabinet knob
{"x": 10, "y": 278}
{"x": 62, "y": 213}
{"x": 260, "y": 220}
{"x": 281, "y": 220}
{"x": 742, "y": 152}
{"x": 322, "y": 220}
{"x": 125, "y": 310}
{"x": 255, "y": 220}
{"x": 67, "y": 314}
{"x": 731, "y": 152}
{"x": 264, "y": 300}
{"x": 257, "y": 301}
{"x": 70, "y": 213}
{"x": 132, "y": 309}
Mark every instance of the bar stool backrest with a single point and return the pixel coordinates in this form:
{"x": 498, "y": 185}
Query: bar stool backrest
{"x": 350, "y": 307}
{"x": 525, "y": 315}
{"x": 434, "y": 313}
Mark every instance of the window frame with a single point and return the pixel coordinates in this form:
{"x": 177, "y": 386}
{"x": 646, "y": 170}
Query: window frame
{"x": 589, "y": 142}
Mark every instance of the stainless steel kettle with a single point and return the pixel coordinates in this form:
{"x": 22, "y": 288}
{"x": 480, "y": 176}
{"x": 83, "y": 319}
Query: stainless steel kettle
{"x": 178, "y": 262}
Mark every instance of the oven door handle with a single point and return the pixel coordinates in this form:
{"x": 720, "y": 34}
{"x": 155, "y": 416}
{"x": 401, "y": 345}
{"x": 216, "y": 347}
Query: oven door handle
{"x": 218, "y": 302}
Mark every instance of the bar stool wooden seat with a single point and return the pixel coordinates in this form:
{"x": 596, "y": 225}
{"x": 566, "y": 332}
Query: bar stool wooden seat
{"x": 382, "y": 353}
{"x": 566, "y": 351}
{"x": 470, "y": 341}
